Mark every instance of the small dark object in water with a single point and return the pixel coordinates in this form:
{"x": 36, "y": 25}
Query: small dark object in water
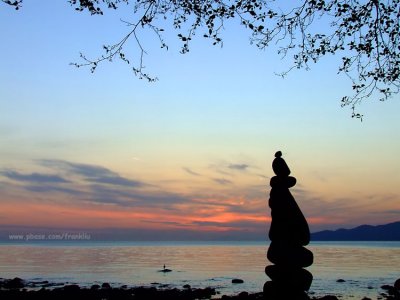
{"x": 340, "y": 280}
{"x": 165, "y": 270}
{"x": 236, "y": 280}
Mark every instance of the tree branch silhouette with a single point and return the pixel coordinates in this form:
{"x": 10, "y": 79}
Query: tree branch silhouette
{"x": 365, "y": 33}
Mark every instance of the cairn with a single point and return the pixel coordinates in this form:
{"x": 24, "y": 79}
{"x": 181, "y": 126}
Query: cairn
{"x": 289, "y": 233}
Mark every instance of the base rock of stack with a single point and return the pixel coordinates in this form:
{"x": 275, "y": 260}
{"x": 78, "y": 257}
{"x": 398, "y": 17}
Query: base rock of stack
{"x": 297, "y": 278}
{"x": 273, "y": 291}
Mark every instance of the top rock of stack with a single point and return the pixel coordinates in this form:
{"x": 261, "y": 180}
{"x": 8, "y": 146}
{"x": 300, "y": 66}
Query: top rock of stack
{"x": 279, "y": 165}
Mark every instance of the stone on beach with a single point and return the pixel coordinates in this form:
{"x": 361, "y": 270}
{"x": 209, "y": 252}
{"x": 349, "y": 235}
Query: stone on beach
{"x": 243, "y": 294}
{"x": 15, "y": 283}
{"x": 397, "y": 284}
{"x": 75, "y": 292}
{"x": 95, "y": 287}
{"x": 71, "y": 288}
{"x": 106, "y": 285}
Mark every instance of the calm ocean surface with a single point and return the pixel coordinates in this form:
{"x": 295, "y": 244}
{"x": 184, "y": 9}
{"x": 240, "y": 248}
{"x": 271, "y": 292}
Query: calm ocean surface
{"x": 364, "y": 266}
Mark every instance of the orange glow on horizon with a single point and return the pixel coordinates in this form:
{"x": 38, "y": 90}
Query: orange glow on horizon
{"x": 87, "y": 215}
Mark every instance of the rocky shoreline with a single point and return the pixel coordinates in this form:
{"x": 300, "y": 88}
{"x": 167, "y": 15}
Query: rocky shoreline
{"x": 19, "y": 289}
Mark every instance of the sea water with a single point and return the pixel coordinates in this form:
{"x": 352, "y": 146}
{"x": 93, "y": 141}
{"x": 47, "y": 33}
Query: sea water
{"x": 364, "y": 266}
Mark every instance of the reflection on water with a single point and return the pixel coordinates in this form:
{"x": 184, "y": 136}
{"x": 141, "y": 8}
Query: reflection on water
{"x": 362, "y": 265}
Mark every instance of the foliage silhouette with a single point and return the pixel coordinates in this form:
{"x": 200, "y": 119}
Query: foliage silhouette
{"x": 365, "y": 34}
{"x": 16, "y": 4}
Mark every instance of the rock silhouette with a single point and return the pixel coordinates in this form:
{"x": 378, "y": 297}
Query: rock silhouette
{"x": 289, "y": 233}
{"x": 165, "y": 270}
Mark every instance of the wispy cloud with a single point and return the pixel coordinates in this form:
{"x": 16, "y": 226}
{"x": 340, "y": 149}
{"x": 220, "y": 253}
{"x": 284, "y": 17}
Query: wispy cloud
{"x": 238, "y": 167}
{"x": 392, "y": 212}
{"x": 92, "y": 173}
{"x": 239, "y": 207}
{"x": 179, "y": 224}
{"x": 135, "y": 198}
{"x": 116, "y": 180}
{"x": 54, "y": 188}
{"x": 222, "y": 181}
{"x": 105, "y": 186}
{"x": 85, "y": 170}
{"x": 191, "y": 172}
{"x": 33, "y": 177}
{"x": 229, "y": 169}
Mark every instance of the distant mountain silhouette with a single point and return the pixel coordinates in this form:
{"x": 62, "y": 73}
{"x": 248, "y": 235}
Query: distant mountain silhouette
{"x": 387, "y": 232}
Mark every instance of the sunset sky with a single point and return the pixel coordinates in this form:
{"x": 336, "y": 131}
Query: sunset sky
{"x": 190, "y": 155}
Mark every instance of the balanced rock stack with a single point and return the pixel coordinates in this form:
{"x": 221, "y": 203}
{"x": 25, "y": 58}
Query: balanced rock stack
{"x": 289, "y": 233}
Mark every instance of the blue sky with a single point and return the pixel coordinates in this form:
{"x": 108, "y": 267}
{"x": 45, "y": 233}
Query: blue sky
{"x": 199, "y": 141}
